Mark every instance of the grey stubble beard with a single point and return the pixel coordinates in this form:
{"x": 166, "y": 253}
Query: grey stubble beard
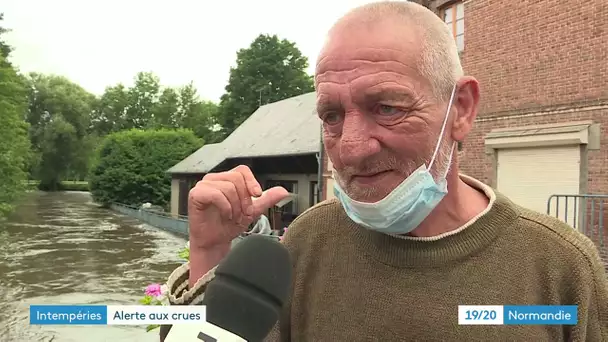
{"x": 439, "y": 168}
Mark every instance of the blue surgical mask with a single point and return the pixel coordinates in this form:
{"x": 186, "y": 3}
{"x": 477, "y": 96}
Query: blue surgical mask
{"x": 402, "y": 210}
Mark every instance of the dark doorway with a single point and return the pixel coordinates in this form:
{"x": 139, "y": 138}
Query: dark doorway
{"x": 184, "y": 190}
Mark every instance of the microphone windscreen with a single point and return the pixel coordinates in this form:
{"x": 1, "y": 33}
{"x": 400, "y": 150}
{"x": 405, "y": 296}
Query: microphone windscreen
{"x": 250, "y": 287}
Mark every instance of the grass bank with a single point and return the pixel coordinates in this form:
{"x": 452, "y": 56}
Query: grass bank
{"x": 65, "y": 185}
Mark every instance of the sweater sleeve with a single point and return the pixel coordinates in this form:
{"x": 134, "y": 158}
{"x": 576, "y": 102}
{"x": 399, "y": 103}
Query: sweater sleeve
{"x": 592, "y": 300}
{"x": 180, "y": 294}
{"x": 597, "y": 320}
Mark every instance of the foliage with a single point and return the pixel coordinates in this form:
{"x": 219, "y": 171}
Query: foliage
{"x": 64, "y": 186}
{"x": 132, "y": 164}
{"x": 147, "y": 105}
{"x": 184, "y": 253}
{"x": 5, "y": 49}
{"x": 74, "y": 186}
{"x": 14, "y": 143}
{"x": 68, "y": 123}
{"x": 59, "y": 118}
{"x": 155, "y": 294}
{"x": 267, "y": 71}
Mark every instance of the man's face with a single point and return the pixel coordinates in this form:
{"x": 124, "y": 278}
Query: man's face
{"x": 380, "y": 118}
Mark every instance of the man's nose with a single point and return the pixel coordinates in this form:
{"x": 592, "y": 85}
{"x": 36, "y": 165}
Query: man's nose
{"x": 356, "y": 143}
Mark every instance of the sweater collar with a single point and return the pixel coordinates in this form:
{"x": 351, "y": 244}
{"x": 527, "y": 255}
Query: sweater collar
{"x": 446, "y": 248}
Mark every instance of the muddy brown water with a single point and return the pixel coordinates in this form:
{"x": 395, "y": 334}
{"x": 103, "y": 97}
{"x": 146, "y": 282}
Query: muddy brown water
{"x": 61, "y": 248}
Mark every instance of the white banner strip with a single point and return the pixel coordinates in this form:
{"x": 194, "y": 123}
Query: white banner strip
{"x": 156, "y": 314}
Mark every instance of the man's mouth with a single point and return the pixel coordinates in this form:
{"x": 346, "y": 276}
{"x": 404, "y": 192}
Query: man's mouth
{"x": 368, "y": 178}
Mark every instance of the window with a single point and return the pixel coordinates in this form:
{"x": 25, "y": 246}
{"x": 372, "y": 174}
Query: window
{"x": 453, "y": 15}
{"x": 314, "y": 193}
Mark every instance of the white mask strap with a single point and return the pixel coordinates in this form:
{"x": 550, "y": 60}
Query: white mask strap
{"x": 447, "y": 169}
{"x": 445, "y": 120}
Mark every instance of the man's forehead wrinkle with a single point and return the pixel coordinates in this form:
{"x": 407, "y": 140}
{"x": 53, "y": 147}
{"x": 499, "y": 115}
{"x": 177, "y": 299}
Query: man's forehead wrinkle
{"x": 366, "y": 54}
{"x": 356, "y": 74}
{"x": 343, "y": 65}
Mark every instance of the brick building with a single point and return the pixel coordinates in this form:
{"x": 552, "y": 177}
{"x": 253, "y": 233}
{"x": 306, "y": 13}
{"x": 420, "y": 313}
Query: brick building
{"x": 542, "y": 128}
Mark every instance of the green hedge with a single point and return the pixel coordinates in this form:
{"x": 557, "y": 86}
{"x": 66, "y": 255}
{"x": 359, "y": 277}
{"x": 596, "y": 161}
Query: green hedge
{"x": 132, "y": 165}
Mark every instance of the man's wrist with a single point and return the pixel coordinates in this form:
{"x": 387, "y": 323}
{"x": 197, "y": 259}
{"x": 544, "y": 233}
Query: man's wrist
{"x": 203, "y": 259}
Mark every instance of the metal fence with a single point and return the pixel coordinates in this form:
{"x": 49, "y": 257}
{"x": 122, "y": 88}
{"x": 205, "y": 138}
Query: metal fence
{"x": 586, "y": 213}
{"x": 165, "y": 221}
{"x": 159, "y": 219}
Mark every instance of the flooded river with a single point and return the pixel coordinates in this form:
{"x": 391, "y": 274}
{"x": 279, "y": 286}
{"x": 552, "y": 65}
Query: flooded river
{"x": 60, "y": 248}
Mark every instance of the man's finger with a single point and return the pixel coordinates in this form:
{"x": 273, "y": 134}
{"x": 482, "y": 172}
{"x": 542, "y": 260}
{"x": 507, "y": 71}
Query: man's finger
{"x": 253, "y": 186}
{"x": 240, "y": 185}
{"x": 230, "y": 192}
{"x": 269, "y": 198}
{"x": 202, "y": 196}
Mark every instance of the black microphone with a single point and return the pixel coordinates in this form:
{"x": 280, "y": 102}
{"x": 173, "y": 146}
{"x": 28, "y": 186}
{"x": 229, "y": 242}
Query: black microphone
{"x": 246, "y": 296}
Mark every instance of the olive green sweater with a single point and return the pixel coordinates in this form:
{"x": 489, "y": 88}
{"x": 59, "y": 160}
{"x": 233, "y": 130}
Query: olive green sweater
{"x": 352, "y": 284}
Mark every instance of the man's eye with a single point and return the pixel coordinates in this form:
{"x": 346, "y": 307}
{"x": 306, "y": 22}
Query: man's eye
{"x": 332, "y": 118}
{"x": 387, "y": 110}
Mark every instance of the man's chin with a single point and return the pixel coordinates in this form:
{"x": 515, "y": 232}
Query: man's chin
{"x": 366, "y": 194}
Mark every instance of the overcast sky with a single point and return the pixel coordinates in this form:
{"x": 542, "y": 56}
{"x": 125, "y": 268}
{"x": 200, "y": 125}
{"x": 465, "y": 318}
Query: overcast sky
{"x": 99, "y": 43}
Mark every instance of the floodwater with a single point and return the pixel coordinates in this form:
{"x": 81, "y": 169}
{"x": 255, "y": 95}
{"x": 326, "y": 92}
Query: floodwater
{"x": 61, "y": 248}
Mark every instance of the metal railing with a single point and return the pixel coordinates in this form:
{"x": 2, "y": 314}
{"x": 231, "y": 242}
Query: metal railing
{"x": 586, "y": 213}
{"x": 175, "y": 224}
{"x": 165, "y": 221}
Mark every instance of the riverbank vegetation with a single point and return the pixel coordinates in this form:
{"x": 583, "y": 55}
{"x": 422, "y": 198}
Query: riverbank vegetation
{"x": 14, "y": 143}
{"x": 52, "y": 129}
{"x": 132, "y": 165}
{"x": 67, "y": 185}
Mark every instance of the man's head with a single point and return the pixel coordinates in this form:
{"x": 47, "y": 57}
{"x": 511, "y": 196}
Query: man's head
{"x": 384, "y": 79}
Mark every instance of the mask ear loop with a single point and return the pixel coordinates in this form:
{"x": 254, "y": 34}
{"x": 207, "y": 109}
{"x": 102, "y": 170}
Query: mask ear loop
{"x": 447, "y": 169}
{"x": 445, "y": 120}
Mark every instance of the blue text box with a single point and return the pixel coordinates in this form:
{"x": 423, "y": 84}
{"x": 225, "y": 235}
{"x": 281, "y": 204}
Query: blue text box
{"x": 540, "y": 314}
{"x": 69, "y": 314}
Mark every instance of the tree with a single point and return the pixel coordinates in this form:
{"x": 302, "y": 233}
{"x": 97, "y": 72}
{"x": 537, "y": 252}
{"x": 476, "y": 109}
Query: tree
{"x": 59, "y": 117}
{"x": 267, "y": 71}
{"x": 110, "y": 112}
{"x": 143, "y": 97}
{"x": 131, "y": 166}
{"x": 147, "y": 105}
{"x": 5, "y": 49}
{"x": 57, "y": 152}
{"x": 14, "y": 143}
{"x": 167, "y": 110}
{"x": 196, "y": 114}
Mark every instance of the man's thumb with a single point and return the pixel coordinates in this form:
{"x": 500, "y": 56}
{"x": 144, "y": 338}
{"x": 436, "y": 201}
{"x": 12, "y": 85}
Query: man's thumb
{"x": 269, "y": 198}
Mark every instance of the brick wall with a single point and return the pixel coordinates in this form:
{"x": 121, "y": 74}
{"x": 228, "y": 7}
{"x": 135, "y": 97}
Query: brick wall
{"x": 474, "y": 162}
{"x": 529, "y": 54}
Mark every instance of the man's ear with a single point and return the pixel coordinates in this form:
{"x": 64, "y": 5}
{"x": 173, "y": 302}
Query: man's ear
{"x": 466, "y": 102}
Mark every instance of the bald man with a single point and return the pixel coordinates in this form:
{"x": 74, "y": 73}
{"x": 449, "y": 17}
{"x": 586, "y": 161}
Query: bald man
{"x": 408, "y": 239}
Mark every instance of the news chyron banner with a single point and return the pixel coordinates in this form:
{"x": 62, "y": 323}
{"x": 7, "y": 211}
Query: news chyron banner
{"x": 116, "y": 314}
{"x": 517, "y": 314}
{"x": 196, "y": 314}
